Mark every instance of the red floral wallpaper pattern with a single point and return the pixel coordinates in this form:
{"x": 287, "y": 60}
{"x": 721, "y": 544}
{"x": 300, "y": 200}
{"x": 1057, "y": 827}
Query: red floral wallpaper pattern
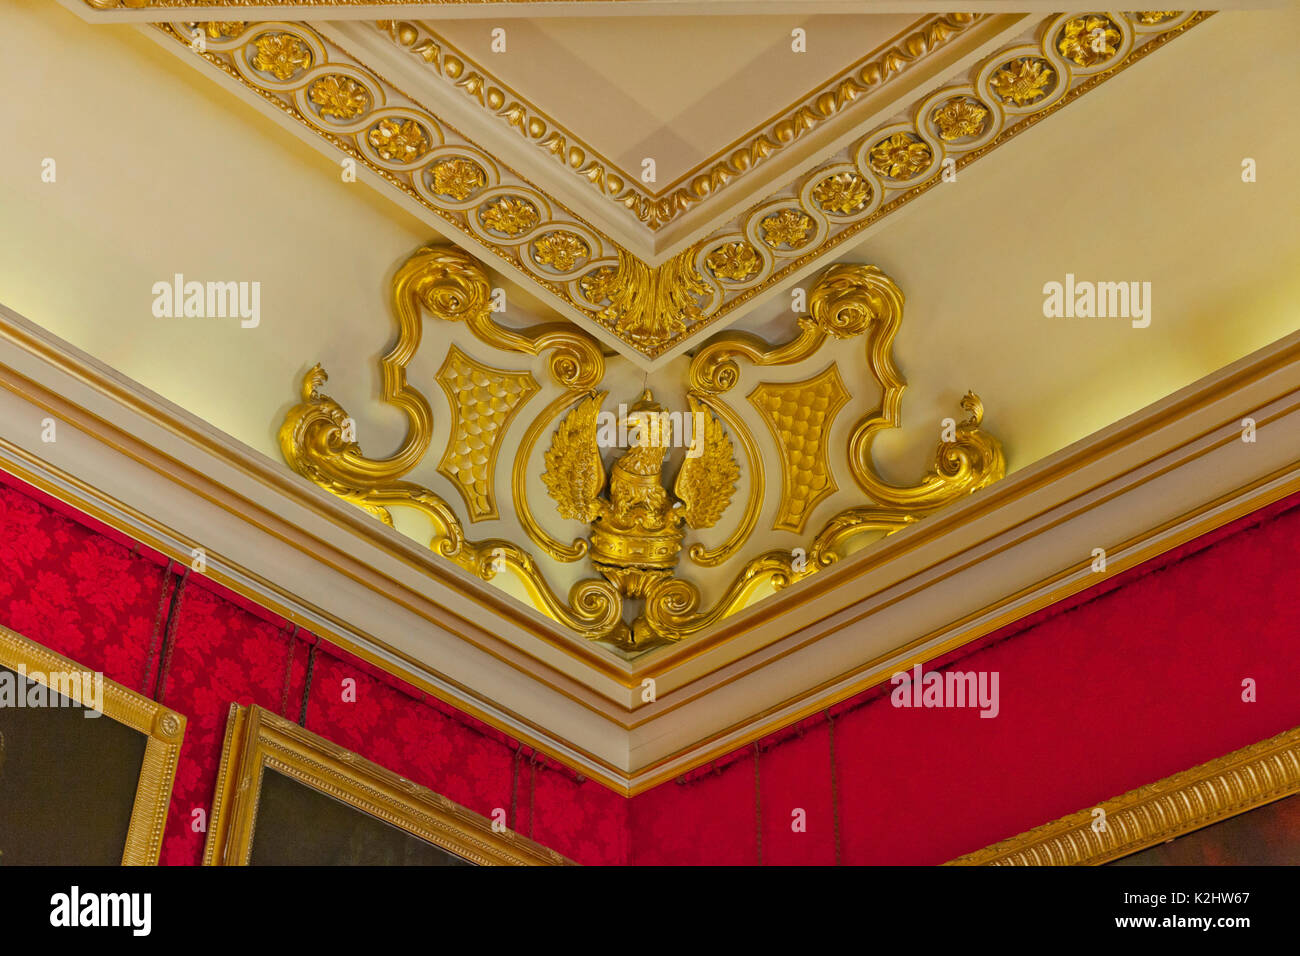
{"x": 1125, "y": 683}
{"x": 80, "y": 590}
{"x": 1119, "y": 686}
{"x": 75, "y": 591}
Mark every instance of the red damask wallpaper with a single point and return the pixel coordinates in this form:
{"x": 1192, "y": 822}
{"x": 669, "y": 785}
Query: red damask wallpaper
{"x": 1121, "y": 685}
{"x": 82, "y": 591}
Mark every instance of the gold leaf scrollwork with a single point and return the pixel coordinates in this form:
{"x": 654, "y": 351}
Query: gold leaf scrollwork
{"x": 712, "y": 557}
{"x": 648, "y": 306}
{"x": 845, "y": 302}
{"x": 636, "y": 524}
{"x": 317, "y": 437}
{"x": 519, "y": 486}
{"x": 965, "y": 464}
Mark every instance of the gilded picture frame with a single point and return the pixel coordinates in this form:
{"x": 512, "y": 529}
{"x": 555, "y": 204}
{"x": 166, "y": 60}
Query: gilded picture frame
{"x": 163, "y": 729}
{"x": 258, "y": 740}
{"x": 1191, "y": 800}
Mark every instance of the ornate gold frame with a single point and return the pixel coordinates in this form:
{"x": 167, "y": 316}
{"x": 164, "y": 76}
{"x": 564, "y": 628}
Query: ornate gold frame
{"x": 257, "y": 739}
{"x": 164, "y": 729}
{"x": 1160, "y": 811}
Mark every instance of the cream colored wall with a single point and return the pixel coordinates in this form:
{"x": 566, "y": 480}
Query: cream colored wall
{"x": 159, "y": 171}
{"x": 1138, "y": 180}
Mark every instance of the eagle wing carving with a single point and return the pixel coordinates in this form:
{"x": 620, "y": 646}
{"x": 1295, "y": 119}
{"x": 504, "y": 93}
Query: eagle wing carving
{"x": 575, "y": 475}
{"x": 706, "y": 483}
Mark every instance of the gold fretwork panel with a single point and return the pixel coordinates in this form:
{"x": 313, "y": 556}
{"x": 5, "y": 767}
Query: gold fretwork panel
{"x": 483, "y": 401}
{"x": 799, "y": 415}
{"x": 630, "y": 481}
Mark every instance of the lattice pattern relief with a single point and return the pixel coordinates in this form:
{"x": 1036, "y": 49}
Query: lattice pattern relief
{"x": 799, "y": 415}
{"x": 483, "y": 401}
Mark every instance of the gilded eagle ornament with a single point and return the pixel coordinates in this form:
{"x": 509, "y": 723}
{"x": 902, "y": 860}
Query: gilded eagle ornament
{"x": 636, "y": 524}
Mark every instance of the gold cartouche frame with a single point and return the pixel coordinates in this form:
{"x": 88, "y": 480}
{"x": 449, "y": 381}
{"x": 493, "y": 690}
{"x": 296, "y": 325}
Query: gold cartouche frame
{"x": 257, "y": 739}
{"x": 164, "y": 730}
{"x": 1233, "y": 784}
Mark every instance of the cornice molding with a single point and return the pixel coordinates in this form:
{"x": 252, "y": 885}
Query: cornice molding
{"x": 141, "y": 10}
{"x": 653, "y": 209}
{"x": 1148, "y": 483}
{"x": 652, "y": 311}
{"x": 635, "y": 530}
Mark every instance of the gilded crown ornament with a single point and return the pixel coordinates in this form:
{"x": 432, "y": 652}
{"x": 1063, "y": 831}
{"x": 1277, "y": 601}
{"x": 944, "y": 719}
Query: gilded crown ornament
{"x": 629, "y": 496}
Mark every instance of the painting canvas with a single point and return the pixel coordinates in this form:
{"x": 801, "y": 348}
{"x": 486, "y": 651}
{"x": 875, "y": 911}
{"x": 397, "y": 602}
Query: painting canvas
{"x": 67, "y": 782}
{"x": 298, "y": 825}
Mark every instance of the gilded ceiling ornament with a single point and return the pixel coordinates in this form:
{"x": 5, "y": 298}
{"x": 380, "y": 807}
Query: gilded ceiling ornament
{"x": 842, "y": 193}
{"x": 317, "y": 437}
{"x": 281, "y": 54}
{"x": 735, "y": 261}
{"x": 483, "y": 402}
{"x": 458, "y": 178}
{"x": 653, "y": 308}
{"x": 560, "y": 250}
{"x": 520, "y": 474}
{"x": 959, "y": 118}
{"x": 649, "y": 307}
{"x": 340, "y": 96}
{"x": 635, "y": 521}
{"x": 599, "y": 285}
{"x": 221, "y": 29}
{"x": 901, "y": 156}
{"x": 510, "y": 215}
{"x": 1088, "y": 40}
{"x": 1152, "y": 17}
{"x": 846, "y": 301}
{"x": 711, "y": 557}
{"x": 799, "y": 415}
{"x": 1023, "y": 81}
{"x": 789, "y": 227}
{"x": 399, "y": 141}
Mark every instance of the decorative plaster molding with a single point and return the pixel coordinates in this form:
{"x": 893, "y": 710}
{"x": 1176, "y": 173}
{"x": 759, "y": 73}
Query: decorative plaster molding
{"x": 656, "y": 208}
{"x": 656, "y": 310}
{"x": 1163, "y": 476}
{"x": 636, "y": 528}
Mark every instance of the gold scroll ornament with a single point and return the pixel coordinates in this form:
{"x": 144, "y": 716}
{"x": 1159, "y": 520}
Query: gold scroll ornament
{"x": 636, "y": 524}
